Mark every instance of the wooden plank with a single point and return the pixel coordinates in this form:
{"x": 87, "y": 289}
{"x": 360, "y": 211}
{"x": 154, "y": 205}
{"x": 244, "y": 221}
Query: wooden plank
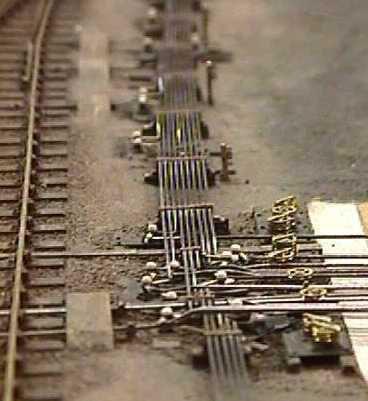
{"x": 47, "y": 245}
{"x": 44, "y": 345}
{"x": 31, "y": 369}
{"x": 47, "y": 263}
{"x": 41, "y": 394}
{"x": 334, "y": 218}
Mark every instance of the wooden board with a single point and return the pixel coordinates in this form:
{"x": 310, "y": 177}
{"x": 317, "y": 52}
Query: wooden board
{"x": 337, "y": 218}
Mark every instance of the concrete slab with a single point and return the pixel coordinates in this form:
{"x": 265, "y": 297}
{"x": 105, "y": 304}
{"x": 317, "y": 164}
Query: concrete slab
{"x": 89, "y": 321}
{"x": 337, "y": 218}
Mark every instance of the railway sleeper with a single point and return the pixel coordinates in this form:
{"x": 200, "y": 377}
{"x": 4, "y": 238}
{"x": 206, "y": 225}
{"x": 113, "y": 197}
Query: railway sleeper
{"x": 11, "y": 126}
{"x": 54, "y": 124}
{"x": 56, "y": 151}
{"x": 7, "y": 246}
{"x": 9, "y": 87}
{"x": 40, "y": 282}
{"x": 55, "y": 75}
{"x": 41, "y": 394}
{"x": 14, "y": 42}
{"x": 48, "y": 228}
{"x": 16, "y": 32}
{"x": 58, "y": 56}
{"x": 13, "y": 49}
{"x": 51, "y": 196}
{"x": 9, "y": 197}
{"x": 11, "y": 66}
{"x": 13, "y": 114}
{"x": 57, "y": 101}
{"x": 53, "y": 137}
{"x": 42, "y": 302}
{"x": 7, "y": 264}
{"x": 48, "y": 212}
{"x": 50, "y": 181}
{"x": 8, "y": 229}
{"x": 11, "y": 153}
{"x": 47, "y": 263}
{"x": 10, "y": 183}
{"x": 55, "y": 85}
{"x": 31, "y": 369}
{"x": 11, "y": 56}
{"x": 57, "y": 112}
{"x": 7, "y": 212}
{"x": 9, "y": 167}
{"x": 60, "y": 182}
{"x": 46, "y": 166}
{"x": 43, "y": 323}
{"x": 14, "y": 93}
{"x": 44, "y": 345}
{"x": 48, "y": 245}
{"x": 56, "y": 52}
{"x": 57, "y": 65}
{"x": 11, "y": 76}
{"x": 64, "y": 40}
{"x": 13, "y": 105}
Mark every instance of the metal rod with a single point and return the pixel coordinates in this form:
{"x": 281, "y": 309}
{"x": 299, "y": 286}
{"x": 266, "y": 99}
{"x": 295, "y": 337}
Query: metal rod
{"x": 232, "y": 237}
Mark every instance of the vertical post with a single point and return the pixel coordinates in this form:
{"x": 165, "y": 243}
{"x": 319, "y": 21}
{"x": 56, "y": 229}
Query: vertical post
{"x": 226, "y": 156}
{"x": 205, "y": 17}
{"x": 211, "y": 75}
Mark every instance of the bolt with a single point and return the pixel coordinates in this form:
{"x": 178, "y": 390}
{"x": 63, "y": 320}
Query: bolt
{"x": 235, "y": 301}
{"x": 151, "y": 265}
{"x": 244, "y": 257}
{"x": 235, "y": 258}
{"x": 196, "y": 41}
{"x": 226, "y": 254}
{"x": 148, "y": 237}
{"x": 175, "y": 265}
{"x": 137, "y": 144}
{"x": 170, "y": 295}
{"x": 148, "y": 45}
{"x": 167, "y": 312}
{"x": 152, "y": 15}
{"x": 235, "y": 248}
{"x": 136, "y": 134}
{"x": 152, "y": 227}
{"x": 221, "y": 275}
{"x": 146, "y": 280}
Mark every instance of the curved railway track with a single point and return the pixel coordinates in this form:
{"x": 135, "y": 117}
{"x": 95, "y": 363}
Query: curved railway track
{"x": 35, "y": 39}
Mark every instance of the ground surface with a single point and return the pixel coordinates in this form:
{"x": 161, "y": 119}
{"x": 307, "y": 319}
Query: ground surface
{"x": 292, "y": 103}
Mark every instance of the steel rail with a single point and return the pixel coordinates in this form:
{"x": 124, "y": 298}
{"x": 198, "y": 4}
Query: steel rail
{"x": 310, "y": 237}
{"x": 12, "y": 344}
{"x": 283, "y": 307}
{"x": 187, "y": 223}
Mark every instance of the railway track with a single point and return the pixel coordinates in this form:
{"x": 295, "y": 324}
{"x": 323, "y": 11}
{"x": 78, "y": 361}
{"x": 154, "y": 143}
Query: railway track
{"x": 35, "y": 40}
{"x": 279, "y": 271}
